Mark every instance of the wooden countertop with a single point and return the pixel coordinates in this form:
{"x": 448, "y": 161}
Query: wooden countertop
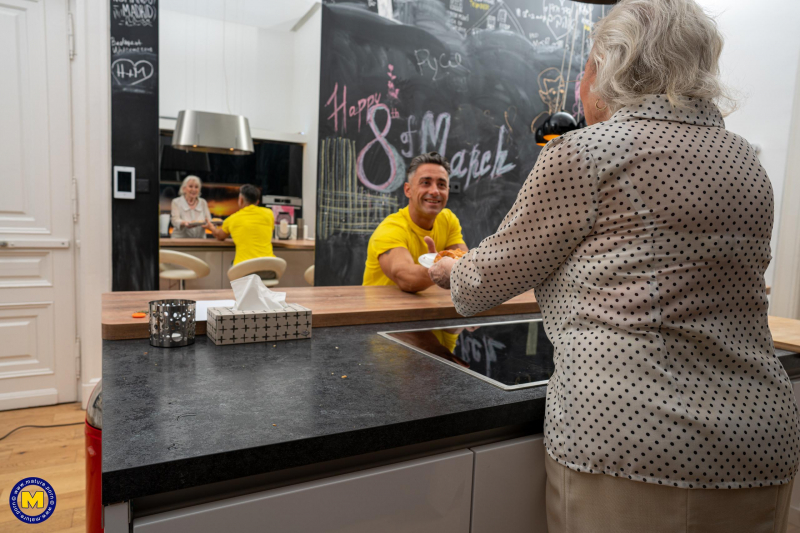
{"x": 347, "y": 306}
{"x": 292, "y": 244}
{"x": 332, "y": 306}
{"x": 785, "y": 333}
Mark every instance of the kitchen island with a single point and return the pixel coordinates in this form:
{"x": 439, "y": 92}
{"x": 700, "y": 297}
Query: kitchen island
{"x": 298, "y": 254}
{"x": 213, "y": 244}
{"x": 346, "y": 431}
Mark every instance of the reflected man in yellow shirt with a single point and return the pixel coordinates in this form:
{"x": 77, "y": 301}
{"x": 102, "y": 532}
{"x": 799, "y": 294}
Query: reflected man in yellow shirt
{"x": 250, "y": 227}
{"x": 424, "y": 226}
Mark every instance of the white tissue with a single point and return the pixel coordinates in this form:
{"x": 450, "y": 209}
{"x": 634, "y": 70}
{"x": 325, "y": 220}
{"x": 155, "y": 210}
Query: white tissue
{"x": 252, "y": 295}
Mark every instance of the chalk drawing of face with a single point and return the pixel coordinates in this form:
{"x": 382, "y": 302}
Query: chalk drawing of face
{"x": 550, "y": 88}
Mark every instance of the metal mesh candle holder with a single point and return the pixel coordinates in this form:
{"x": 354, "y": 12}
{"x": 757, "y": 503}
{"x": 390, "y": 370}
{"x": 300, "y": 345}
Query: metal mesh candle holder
{"x": 172, "y": 323}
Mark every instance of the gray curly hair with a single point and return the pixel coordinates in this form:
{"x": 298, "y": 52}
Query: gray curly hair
{"x": 186, "y": 182}
{"x": 668, "y": 47}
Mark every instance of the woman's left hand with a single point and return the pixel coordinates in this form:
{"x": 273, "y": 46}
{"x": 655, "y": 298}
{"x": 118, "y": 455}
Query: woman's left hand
{"x": 440, "y": 272}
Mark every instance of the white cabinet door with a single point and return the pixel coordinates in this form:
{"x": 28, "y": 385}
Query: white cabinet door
{"x": 425, "y": 495}
{"x": 38, "y": 347}
{"x": 508, "y": 487}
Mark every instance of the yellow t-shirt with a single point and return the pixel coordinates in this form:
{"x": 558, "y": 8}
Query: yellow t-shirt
{"x": 399, "y": 231}
{"x": 446, "y": 339}
{"x": 251, "y": 230}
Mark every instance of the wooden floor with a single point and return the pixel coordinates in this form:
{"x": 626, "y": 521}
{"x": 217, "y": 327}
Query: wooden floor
{"x": 53, "y": 454}
{"x": 57, "y": 456}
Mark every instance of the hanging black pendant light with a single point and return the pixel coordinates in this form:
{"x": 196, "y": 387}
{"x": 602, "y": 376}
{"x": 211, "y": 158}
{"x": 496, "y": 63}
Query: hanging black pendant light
{"x": 554, "y": 126}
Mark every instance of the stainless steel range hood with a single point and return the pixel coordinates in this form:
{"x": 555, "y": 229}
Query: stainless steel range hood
{"x": 199, "y": 131}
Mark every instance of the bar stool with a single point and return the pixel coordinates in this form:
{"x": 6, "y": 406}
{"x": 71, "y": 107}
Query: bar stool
{"x": 193, "y": 267}
{"x": 262, "y": 266}
{"x": 309, "y": 275}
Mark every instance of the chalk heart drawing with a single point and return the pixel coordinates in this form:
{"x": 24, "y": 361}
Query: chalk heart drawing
{"x": 564, "y": 12}
{"x": 126, "y": 72}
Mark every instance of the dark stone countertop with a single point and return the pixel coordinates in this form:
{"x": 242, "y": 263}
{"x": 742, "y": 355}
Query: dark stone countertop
{"x": 176, "y": 418}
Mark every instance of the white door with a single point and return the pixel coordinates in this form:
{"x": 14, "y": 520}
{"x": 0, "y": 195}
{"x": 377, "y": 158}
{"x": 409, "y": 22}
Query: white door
{"x": 38, "y": 346}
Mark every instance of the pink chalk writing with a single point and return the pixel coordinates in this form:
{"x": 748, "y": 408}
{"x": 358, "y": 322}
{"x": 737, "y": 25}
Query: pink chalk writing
{"x": 397, "y": 167}
{"x": 337, "y": 107}
{"x": 393, "y": 91}
{"x": 364, "y": 103}
{"x": 341, "y": 111}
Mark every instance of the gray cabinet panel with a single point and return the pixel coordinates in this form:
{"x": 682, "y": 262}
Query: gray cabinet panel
{"x": 794, "y": 506}
{"x": 425, "y": 495}
{"x": 509, "y": 484}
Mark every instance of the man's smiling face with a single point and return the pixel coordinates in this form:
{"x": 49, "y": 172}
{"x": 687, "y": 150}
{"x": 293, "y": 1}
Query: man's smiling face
{"x": 428, "y": 190}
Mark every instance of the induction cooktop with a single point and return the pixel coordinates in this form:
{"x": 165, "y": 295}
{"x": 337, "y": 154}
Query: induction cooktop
{"x": 509, "y": 355}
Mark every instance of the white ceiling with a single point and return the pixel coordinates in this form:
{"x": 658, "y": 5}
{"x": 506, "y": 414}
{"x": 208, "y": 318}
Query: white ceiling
{"x": 278, "y": 15}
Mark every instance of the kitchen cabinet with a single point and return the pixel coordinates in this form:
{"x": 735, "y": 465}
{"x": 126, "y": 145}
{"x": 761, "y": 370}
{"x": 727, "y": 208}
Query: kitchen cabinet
{"x": 423, "y": 495}
{"x": 297, "y": 261}
{"x": 509, "y": 487}
{"x": 214, "y": 279}
{"x": 794, "y": 506}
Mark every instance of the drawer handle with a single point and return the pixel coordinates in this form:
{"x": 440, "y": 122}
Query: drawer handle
{"x": 3, "y": 244}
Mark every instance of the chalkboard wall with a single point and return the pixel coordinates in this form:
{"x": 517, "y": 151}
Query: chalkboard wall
{"x": 134, "y": 142}
{"x": 465, "y": 78}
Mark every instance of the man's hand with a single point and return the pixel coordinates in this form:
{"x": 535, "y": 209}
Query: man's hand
{"x": 440, "y": 272}
{"x": 431, "y": 245}
{"x": 218, "y": 233}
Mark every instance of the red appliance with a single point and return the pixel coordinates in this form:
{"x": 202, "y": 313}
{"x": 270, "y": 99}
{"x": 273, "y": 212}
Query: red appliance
{"x": 93, "y": 429}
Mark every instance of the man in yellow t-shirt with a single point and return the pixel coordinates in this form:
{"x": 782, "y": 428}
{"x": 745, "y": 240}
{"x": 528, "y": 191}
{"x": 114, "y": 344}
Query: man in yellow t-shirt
{"x": 424, "y": 226}
{"x": 250, "y": 227}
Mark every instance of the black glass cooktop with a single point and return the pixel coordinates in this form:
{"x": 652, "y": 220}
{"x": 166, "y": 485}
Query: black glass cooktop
{"x": 509, "y": 355}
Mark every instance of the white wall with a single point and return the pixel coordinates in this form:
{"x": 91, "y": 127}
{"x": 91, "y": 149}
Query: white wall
{"x": 305, "y": 107}
{"x": 760, "y": 62}
{"x": 91, "y": 143}
{"x": 192, "y": 68}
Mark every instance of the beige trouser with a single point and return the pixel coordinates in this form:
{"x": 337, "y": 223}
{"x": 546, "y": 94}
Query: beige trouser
{"x": 598, "y": 503}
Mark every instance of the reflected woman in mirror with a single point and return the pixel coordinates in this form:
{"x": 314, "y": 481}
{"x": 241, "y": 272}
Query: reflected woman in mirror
{"x": 189, "y": 211}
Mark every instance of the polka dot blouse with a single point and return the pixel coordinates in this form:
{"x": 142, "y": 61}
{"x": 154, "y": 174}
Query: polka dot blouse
{"x": 646, "y": 238}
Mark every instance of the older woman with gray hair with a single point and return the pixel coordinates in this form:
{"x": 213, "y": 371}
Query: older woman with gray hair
{"x": 646, "y": 236}
{"x": 189, "y": 211}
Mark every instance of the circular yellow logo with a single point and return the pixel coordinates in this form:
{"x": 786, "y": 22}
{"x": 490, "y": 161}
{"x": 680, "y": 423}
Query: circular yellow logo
{"x": 32, "y": 500}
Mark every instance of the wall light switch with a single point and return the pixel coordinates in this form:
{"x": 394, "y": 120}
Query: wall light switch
{"x": 125, "y": 183}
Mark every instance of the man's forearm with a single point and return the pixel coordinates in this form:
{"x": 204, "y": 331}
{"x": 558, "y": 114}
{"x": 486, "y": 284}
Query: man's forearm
{"x": 219, "y": 234}
{"x": 413, "y": 279}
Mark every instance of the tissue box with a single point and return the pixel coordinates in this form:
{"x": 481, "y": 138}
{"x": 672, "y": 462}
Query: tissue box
{"x": 226, "y": 326}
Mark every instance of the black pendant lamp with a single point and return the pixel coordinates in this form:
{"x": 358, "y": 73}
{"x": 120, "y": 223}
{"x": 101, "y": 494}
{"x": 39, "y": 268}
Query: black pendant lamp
{"x": 554, "y": 126}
